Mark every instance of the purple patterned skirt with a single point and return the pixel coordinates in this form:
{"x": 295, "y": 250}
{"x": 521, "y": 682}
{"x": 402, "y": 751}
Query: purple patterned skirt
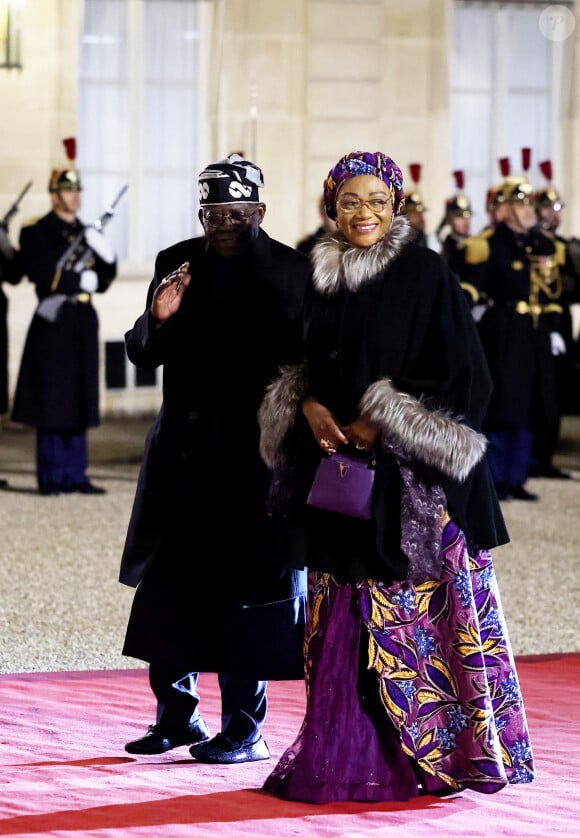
{"x": 411, "y": 689}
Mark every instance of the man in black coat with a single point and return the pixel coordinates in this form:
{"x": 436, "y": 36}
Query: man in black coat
{"x": 57, "y": 391}
{"x": 223, "y": 315}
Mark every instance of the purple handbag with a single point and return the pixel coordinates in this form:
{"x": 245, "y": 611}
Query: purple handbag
{"x": 343, "y": 483}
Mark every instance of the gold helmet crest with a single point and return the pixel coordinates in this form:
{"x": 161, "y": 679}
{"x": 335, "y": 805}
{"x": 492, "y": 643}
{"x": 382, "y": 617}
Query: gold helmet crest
{"x": 66, "y": 178}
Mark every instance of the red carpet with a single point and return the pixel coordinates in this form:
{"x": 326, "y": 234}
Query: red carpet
{"x": 63, "y": 769}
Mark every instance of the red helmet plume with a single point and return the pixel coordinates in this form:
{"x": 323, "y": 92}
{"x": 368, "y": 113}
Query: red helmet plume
{"x": 504, "y": 166}
{"x": 546, "y": 169}
{"x": 526, "y": 158}
{"x": 70, "y": 147}
{"x": 459, "y": 179}
{"x": 415, "y": 170}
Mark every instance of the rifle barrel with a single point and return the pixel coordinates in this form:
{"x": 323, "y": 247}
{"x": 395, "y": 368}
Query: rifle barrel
{"x": 14, "y": 208}
{"x": 23, "y": 193}
{"x": 110, "y": 211}
{"x": 120, "y": 195}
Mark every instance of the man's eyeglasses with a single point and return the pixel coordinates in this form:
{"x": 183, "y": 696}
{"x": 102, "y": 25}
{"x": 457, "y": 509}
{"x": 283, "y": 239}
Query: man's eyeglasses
{"x": 374, "y": 204}
{"x": 215, "y": 218}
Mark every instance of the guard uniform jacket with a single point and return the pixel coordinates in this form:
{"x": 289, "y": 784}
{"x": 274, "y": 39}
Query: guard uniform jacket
{"x": 58, "y": 381}
{"x": 515, "y": 338}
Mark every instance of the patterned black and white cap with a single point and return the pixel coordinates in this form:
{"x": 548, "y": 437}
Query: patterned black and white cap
{"x": 230, "y": 181}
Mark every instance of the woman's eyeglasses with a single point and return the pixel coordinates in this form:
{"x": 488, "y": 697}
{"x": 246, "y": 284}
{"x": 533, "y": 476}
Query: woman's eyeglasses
{"x": 215, "y": 218}
{"x": 374, "y": 204}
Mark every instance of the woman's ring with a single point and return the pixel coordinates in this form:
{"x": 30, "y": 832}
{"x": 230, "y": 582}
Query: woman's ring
{"x": 359, "y": 446}
{"x": 326, "y": 443}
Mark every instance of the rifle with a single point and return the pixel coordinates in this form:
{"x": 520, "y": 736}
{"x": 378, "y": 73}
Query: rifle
{"x": 4, "y": 222}
{"x": 76, "y": 246}
{"x": 442, "y": 224}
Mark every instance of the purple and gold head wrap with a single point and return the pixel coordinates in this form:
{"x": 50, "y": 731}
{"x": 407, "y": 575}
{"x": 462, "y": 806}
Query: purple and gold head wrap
{"x": 362, "y": 163}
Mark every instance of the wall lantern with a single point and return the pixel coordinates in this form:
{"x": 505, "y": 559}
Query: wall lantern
{"x": 10, "y": 33}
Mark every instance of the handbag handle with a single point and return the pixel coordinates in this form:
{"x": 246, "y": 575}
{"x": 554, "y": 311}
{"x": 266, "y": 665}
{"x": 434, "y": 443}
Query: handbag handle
{"x": 359, "y": 453}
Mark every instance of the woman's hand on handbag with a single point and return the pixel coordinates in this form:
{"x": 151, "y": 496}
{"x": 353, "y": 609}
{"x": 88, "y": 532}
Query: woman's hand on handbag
{"x": 326, "y": 430}
{"x": 362, "y": 433}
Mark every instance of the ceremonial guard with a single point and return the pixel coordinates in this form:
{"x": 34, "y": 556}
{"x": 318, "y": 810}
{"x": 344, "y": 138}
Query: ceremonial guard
{"x": 458, "y": 247}
{"x": 57, "y": 390}
{"x": 493, "y": 197}
{"x": 470, "y": 261}
{"x": 455, "y": 226}
{"x": 549, "y": 204}
{"x": 516, "y": 267}
{"x": 414, "y": 208}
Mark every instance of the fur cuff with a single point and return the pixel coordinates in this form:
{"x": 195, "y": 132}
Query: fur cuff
{"x": 277, "y": 413}
{"x": 433, "y": 436}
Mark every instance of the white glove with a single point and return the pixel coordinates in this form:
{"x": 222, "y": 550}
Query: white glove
{"x": 99, "y": 245}
{"x": 89, "y": 281}
{"x": 478, "y": 311}
{"x": 557, "y": 344}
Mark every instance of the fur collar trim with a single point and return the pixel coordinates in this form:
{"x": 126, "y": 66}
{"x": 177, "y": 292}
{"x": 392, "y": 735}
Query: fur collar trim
{"x": 338, "y": 264}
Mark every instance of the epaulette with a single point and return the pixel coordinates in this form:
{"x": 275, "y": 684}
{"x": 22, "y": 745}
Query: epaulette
{"x": 476, "y": 250}
{"x": 487, "y": 232}
{"x": 560, "y": 253}
{"x": 472, "y": 291}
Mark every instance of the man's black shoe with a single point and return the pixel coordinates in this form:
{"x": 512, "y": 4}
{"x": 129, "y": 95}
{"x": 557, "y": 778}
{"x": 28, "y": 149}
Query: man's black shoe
{"x": 3, "y": 484}
{"x": 89, "y": 489}
{"x": 159, "y": 738}
{"x": 519, "y": 493}
{"x": 224, "y": 751}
